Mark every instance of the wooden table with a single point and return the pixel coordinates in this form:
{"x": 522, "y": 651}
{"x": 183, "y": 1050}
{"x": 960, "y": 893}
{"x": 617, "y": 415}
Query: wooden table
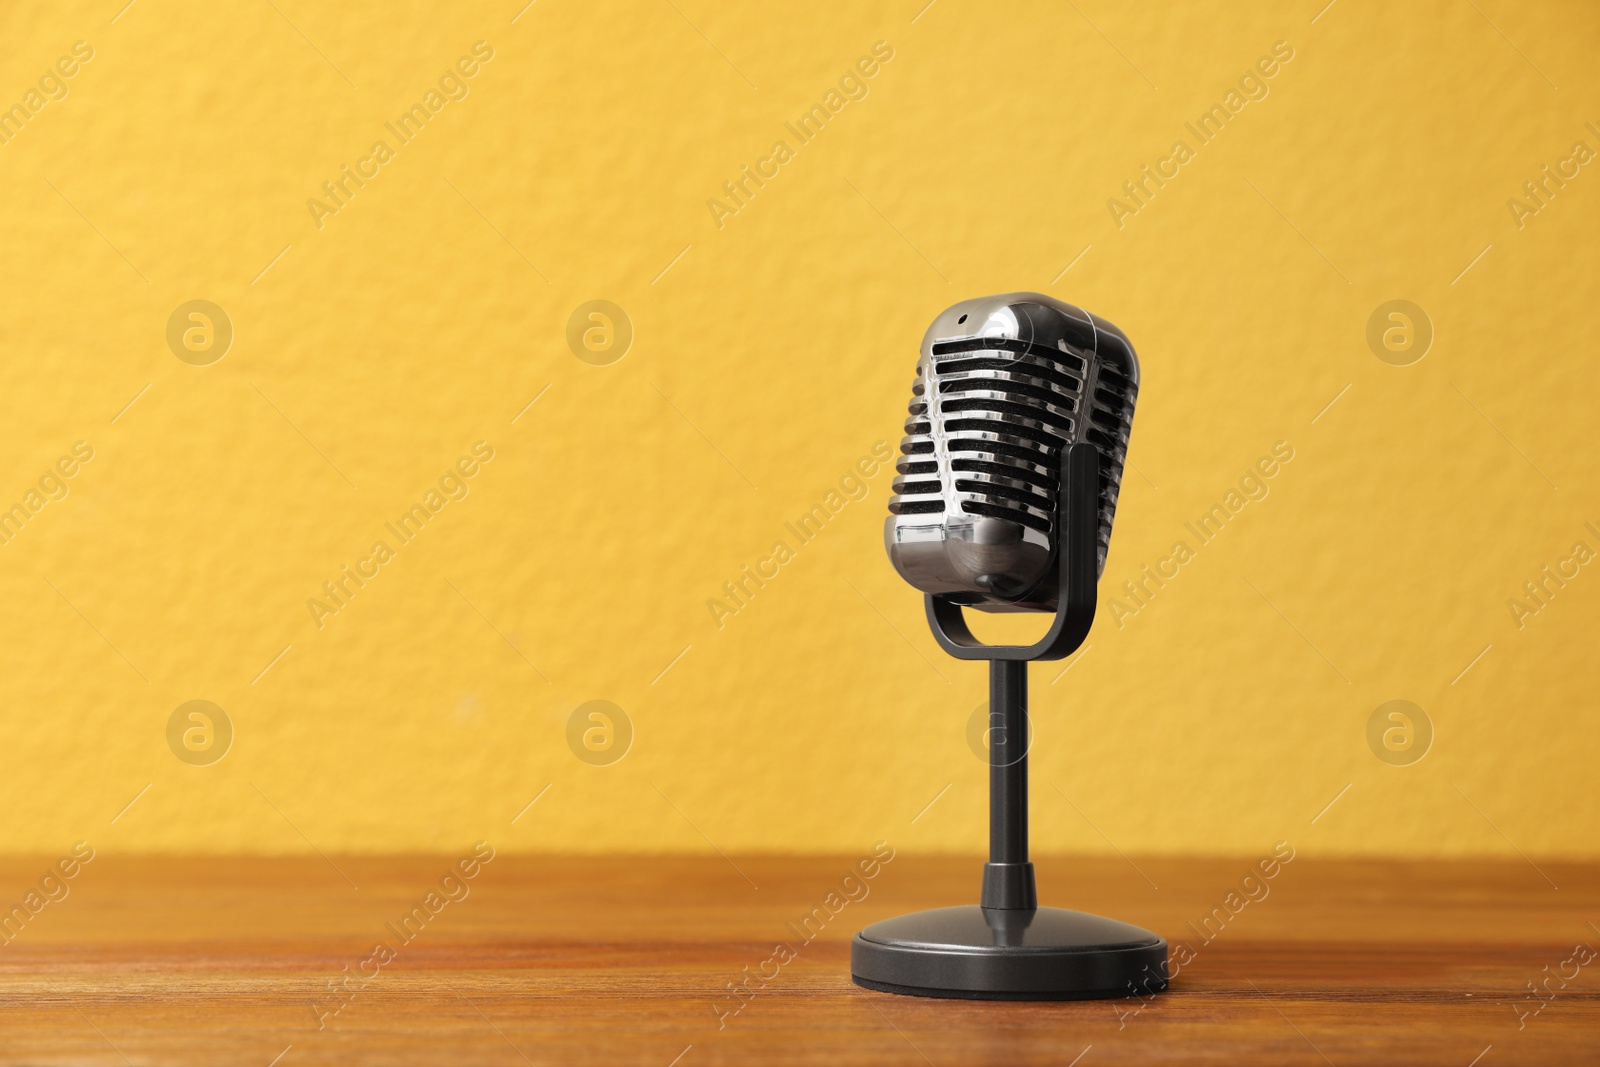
{"x": 629, "y": 961}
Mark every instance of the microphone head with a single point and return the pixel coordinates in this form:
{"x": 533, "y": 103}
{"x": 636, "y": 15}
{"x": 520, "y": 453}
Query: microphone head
{"x": 1004, "y": 383}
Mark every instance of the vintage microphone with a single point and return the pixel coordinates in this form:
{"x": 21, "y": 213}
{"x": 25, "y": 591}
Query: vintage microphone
{"x": 1007, "y": 487}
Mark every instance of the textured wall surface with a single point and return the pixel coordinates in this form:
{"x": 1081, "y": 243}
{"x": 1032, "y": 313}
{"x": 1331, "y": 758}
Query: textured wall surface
{"x": 393, "y": 331}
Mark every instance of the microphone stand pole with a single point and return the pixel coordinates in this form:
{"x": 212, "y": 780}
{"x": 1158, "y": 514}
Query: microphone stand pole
{"x": 1008, "y": 876}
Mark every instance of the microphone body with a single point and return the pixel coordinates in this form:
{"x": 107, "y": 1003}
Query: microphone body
{"x": 1004, "y": 384}
{"x": 1003, "y": 500}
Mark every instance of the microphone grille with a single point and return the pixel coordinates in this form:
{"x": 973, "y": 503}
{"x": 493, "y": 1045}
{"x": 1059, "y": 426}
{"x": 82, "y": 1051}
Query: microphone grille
{"x": 989, "y": 416}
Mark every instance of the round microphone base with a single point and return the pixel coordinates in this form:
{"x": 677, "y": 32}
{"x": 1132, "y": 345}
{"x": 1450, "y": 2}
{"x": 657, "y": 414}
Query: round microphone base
{"x": 976, "y": 953}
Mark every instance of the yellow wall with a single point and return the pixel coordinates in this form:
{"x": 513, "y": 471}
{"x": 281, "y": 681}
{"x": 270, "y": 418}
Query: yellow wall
{"x": 773, "y": 348}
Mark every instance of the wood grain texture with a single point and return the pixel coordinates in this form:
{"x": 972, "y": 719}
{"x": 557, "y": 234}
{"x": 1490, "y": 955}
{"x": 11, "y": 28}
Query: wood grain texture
{"x": 626, "y": 961}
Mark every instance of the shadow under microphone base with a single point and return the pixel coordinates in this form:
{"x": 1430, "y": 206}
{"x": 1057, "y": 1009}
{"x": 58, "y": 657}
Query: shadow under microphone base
{"x": 1007, "y": 947}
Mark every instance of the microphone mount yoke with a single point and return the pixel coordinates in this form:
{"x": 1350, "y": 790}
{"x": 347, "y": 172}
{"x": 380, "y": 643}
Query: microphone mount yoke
{"x": 1007, "y": 947}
